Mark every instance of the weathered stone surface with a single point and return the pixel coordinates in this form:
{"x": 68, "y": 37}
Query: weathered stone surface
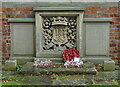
{"x": 116, "y": 67}
{"x": 1, "y": 66}
{"x": 23, "y": 61}
{"x": 28, "y": 66}
{"x": 102, "y": 78}
{"x": 87, "y": 68}
{"x": 109, "y": 65}
{"x": 71, "y": 80}
{"x": 56, "y": 28}
{"x": 10, "y": 65}
{"x": 57, "y": 23}
{"x": 37, "y": 80}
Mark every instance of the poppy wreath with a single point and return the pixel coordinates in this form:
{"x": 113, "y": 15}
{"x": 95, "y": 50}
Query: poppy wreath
{"x": 69, "y": 54}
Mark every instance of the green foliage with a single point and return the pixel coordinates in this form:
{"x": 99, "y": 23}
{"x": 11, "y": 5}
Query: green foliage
{"x": 16, "y": 78}
{"x": 2, "y": 77}
{"x": 102, "y": 85}
{"x": 19, "y": 68}
{"x": 12, "y": 83}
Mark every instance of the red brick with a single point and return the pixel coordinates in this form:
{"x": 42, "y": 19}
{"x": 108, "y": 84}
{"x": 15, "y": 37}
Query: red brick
{"x": 105, "y": 11}
{"x": 27, "y": 12}
{"x": 112, "y": 55}
{"x": 8, "y": 47}
{"x": 116, "y": 19}
{"x": 3, "y": 9}
{"x": 114, "y": 30}
{"x": 8, "y": 30}
{"x": 112, "y": 11}
{"x": 112, "y": 45}
{"x": 6, "y": 37}
{"x": 86, "y": 12}
{"x": 114, "y": 15}
{"x": 113, "y": 8}
{"x": 6, "y": 33}
{"x": 24, "y": 9}
{"x": 92, "y": 8}
{"x": 20, "y": 16}
{"x": 115, "y": 34}
{"x": 30, "y": 16}
{"x": 4, "y": 50}
{"x": 118, "y": 38}
{"x": 8, "y": 41}
{"x": 20, "y": 9}
{"x": 104, "y": 8}
{"x": 29, "y": 9}
{"x": 5, "y": 54}
{"x": 105, "y": 15}
{"x": 112, "y": 38}
{"x": 114, "y": 22}
{"x": 114, "y": 52}
{"x": 114, "y": 26}
{"x": 4, "y": 30}
{"x": 91, "y": 12}
{"x": 112, "y": 49}
{"x": 4, "y": 19}
{"x": 11, "y": 9}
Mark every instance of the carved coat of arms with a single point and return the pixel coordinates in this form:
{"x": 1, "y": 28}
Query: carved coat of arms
{"x": 59, "y": 33}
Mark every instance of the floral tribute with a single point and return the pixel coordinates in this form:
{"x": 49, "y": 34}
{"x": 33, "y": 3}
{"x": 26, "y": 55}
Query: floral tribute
{"x": 71, "y": 57}
{"x": 73, "y": 63}
{"x": 42, "y": 63}
{"x": 69, "y": 54}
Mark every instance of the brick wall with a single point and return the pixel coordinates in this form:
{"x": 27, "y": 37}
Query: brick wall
{"x": 112, "y": 12}
{"x": 90, "y": 12}
{"x": 11, "y": 13}
{"x": 0, "y": 34}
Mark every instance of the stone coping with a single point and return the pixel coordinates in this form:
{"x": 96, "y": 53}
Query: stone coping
{"x": 60, "y": 4}
{"x": 32, "y": 20}
{"x": 97, "y": 19}
{"x": 21, "y": 19}
{"x": 58, "y": 9}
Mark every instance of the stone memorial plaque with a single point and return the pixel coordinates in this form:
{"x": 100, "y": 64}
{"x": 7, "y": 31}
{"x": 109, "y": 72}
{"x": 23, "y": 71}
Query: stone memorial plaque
{"x": 57, "y": 31}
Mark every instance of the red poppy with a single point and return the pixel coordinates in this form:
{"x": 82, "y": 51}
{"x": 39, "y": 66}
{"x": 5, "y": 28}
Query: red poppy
{"x": 69, "y": 54}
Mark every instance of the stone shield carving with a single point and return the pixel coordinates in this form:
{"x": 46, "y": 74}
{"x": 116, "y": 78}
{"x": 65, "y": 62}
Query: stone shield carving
{"x": 59, "y": 33}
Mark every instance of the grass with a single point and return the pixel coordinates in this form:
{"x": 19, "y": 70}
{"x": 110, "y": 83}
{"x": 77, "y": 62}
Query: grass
{"x": 12, "y": 83}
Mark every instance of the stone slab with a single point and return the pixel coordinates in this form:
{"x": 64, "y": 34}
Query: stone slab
{"x": 97, "y": 60}
{"x": 97, "y": 19}
{"x": 56, "y": 4}
{"x": 23, "y": 60}
{"x": 109, "y": 65}
{"x": 87, "y": 68}
{"x": 58, "y": 8}
{"x": 21, "y": 20}
{"x": 72, "y": 80}
{"x": 37, "y": 80}
{"x": 101, "y": 78}
{"x": 10, "y": 65}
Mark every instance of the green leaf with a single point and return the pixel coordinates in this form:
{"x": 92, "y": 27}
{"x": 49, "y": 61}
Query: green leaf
{"x": 19, "y": 68}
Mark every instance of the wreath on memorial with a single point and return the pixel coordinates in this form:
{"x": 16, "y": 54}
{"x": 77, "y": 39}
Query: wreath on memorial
{"x": 69, "y": 54}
